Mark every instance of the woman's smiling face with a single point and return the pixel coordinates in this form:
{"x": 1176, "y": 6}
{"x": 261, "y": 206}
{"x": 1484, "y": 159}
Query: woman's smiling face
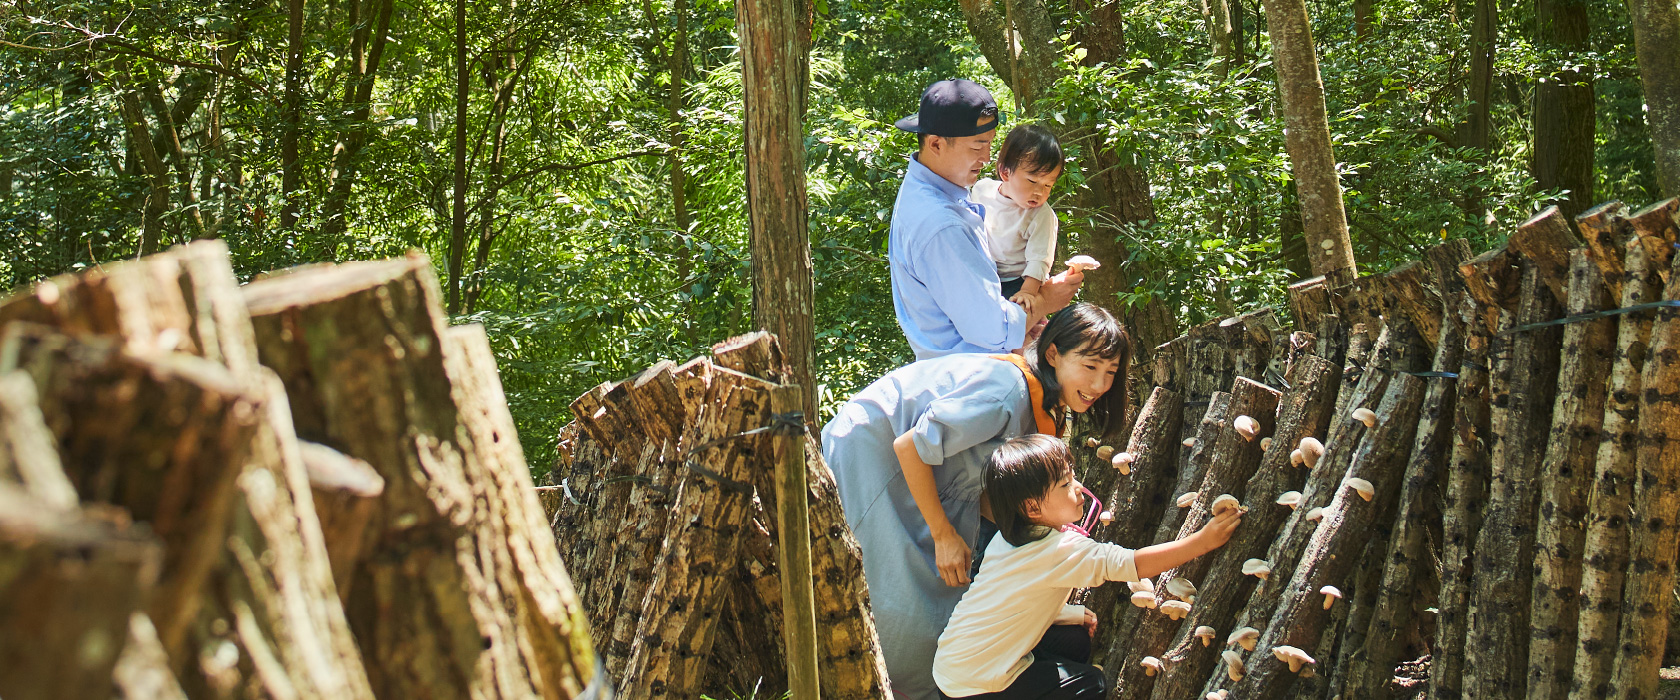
{"x": 1084, "y": 377}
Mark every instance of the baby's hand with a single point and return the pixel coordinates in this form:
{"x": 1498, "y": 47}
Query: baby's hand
{"x": 1027, "y": 301}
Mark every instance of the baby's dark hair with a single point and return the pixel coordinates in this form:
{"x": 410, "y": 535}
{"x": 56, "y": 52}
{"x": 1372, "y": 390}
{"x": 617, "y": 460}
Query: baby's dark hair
{"x": 1021, "y": 470}
{"x": 1031, "y": 148}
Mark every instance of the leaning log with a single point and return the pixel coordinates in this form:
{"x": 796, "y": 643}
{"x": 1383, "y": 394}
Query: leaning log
{"x": 1524, "y": 387}
{"x": 1652, "y": 530}
{"x": 1304, "y": 410}
{"x": 28, "y": 457}
{"x": 1566, "y": 480}
{"x": 361, "y": 349}
{"x": 1606, "y": 551}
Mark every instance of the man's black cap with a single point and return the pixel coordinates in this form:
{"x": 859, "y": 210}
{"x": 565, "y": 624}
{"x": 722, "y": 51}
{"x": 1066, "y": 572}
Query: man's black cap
{"x": 954, "y": 108}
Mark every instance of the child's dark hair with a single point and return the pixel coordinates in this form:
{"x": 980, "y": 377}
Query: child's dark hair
{"x": 1030, "y": 148}
{"x": 1086, "y": 329}
{"x": 1019, "y": 471}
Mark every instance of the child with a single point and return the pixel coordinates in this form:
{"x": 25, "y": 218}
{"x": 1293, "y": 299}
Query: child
{"x": 1012, "y": 637}
{"x": 1020, "y": 229}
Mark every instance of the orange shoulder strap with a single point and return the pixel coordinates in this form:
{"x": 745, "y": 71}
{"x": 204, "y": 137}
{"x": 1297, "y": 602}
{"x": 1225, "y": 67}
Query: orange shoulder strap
{"x": 1035, "y": 391}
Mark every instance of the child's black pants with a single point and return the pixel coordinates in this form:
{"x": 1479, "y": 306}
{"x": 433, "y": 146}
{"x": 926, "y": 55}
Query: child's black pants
{"x": 1060, "y": 670}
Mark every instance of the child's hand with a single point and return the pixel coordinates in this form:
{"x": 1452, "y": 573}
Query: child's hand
{"x": 1091, "y": 623}
{"x": 1027, "y": 300}
{"x": 1218, "y": 530}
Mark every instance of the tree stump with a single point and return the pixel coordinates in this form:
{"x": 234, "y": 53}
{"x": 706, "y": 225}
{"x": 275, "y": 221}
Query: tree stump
{"x": 365, "y": 357}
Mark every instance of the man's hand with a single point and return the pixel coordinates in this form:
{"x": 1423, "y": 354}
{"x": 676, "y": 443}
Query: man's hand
{"x": 1057, "y": 291}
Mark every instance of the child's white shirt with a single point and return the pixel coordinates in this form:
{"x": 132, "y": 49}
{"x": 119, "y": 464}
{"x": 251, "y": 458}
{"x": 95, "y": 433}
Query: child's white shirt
{"x": 1014, "y": 599}
{"x": 1022, "y": 241}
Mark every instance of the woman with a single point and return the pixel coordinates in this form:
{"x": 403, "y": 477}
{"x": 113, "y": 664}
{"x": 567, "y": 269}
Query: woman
{"x": 908, "y": 452}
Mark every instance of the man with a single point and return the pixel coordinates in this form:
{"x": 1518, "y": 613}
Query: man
{"x": 946, "y": 292}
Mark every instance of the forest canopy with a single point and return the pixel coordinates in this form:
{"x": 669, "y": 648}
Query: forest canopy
{"x": 574, "y": 168}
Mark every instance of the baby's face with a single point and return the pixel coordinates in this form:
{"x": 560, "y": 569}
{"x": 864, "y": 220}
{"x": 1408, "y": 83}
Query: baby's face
{"x": 1027, "y": 188}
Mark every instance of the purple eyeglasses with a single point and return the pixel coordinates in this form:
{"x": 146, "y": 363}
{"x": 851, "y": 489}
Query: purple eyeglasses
{"x": 1093, "y": 512}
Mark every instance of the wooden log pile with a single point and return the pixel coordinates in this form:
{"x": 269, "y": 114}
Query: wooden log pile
{"x": 665, "y": 502}
{"x": 307, "y": 487}
{"x": 1464, "y": 484}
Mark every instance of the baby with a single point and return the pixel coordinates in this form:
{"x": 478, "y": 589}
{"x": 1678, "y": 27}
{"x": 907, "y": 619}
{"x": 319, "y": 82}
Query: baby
{"x": 1020, "y": 229}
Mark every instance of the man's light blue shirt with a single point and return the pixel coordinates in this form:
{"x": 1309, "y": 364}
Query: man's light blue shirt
{"x": 946, "y": 292}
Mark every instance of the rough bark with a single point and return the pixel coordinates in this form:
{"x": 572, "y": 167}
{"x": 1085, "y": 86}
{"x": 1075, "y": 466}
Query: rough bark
{"x": 345, "y": 491}
{"x": 1524, "y": 386}
{"x": 1656, "y": 40}
{"x": 1546, "y": 240}
{"x": 72, "y": 578}
{"x": 1347, "y": 521}
{"x": 773, "y": 83}
{"x": 1035, "y": 54}
{"x": 1138, "y": 501}
{"x": 364, "y": 354}
{"x": 1308, "y": 139}
{"x": 1606, "y": 552}
{"x": 1652, "y": 534}
{"x": 1563, "y": 113}
{"x": 157, "y": 196}
{"x": 1309, "y": 301}
{"x": 1371, "y": 667}
{"x": 1303, "y": 410}
{"x": 1231, "y": 462}
{"x": 1565, "y": 482}
{"x": 1606, "y": 232}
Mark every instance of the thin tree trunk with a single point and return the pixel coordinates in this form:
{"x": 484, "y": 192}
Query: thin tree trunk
{"x": 773, "y": 82}
{"x": 1308, "y": 138}
{"x": 1563, "y": 106}
{"x": 674, "y": 103}
{"x": 1475, "y": 131}
{"x": 368, "y": 49}
{"x": 171, "y": 139}
{"x": 1656, "y": 39}
{"x": 157, "y": 198}
{"x": 458, "y": 210}
{"x": 291, "y": 168}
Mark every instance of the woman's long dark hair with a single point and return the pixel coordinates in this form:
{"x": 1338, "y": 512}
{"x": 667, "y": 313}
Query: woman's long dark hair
{"x": 1019, "y": 471}
{"x": 1087, "y": 329}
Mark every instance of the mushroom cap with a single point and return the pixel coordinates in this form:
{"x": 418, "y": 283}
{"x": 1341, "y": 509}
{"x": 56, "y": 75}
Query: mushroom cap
{"x": 1224, "y": 502}
{"x": 1091, "y": 442}
{"x": 1083, "y": 262}
{"x": 1331, "y": 595}
{"x": 1366, "y": 416}
{"x": 1105, "y": 452}
{"x": 1234, "y": 668}
{"x": 1257, "y": 567}
{"x": 1315, "y": 514}
{"x": 1123, "y": 462}
{"x": 1189, "y": 442}
{"x": 1175, "y": 609}
{"x": 1186, "y": 498}
{"x": 1289, "y": 498}
{"x": 1212, "y": 696}
{"x": 1365, "y": 489}
{"x": 1292, "y": 656}
{"x": 1311, "y": 451}
{"x": 1206, "y": 634}
{"x": 1296, "y": 459}
{"x": 1143, "y": 599}
{"x": 1265, "y": 443}
{"x": 1141, "y": 585}
{"x": 1106, "y": 517}
{"x": 1181, "y": 587}
{"x": 1246, "y": 426}
{"x": 1151, "y": 665}
{"x": 1245, "y": 637}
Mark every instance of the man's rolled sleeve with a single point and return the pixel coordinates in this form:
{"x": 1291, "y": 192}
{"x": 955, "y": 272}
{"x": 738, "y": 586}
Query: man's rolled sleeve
{"x": 949, "y": 266}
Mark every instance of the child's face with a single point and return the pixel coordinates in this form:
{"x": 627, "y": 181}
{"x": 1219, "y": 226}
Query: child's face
{"x": 1063, "y": 504}
{"x": 1027, "y": 188}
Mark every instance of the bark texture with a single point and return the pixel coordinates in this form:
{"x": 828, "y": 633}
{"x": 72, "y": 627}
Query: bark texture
{"x": 1563, "y": 113}
{"x": 1656, "y": 40}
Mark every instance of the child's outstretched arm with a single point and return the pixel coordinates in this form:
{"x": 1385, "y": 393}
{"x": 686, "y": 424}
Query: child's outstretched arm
{"x": 1155, "y": 559}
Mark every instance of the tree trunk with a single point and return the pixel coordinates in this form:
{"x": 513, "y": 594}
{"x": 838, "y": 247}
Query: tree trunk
{"x": 1656, "y": 38}
{"x": 773, "y": 83}
{"x": 1606, "y": 552}
{"x": 1656, "y": 503}
{"x": 1303, "y": 411}
{"x": 291, "y": 168}
{"x": 1029, "y": 64}
{"x": 1563, "y": 106}
{"x": 1308, "y": 138}
{"x": 458, "y": 207}
{"x": 1565, "y": 482}
{"x": 1524, "y": 385}
{"x": 157, "y": 197}
{"x": 345, "y": 491}
{"x": 674, "y": 104}
{"x": 452, "y": 533}
{"x": 367, "y": 52}
{"x": 1476, "y": 131}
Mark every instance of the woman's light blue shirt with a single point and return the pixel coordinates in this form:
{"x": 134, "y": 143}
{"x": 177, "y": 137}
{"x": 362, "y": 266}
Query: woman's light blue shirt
{"x": 959, "y": 408}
